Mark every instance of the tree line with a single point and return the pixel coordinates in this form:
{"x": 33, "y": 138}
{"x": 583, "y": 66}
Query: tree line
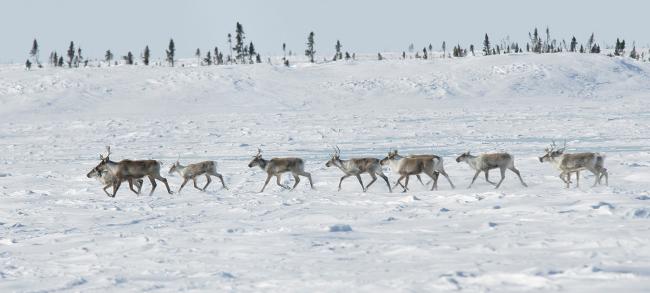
{"x": 244, "y": 52}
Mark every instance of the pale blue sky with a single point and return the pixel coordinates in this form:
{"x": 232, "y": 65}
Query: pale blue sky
{"x": 362, "y": 25}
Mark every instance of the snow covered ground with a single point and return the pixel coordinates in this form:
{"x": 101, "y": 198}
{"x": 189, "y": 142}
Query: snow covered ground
{"x": 59, "y": 232}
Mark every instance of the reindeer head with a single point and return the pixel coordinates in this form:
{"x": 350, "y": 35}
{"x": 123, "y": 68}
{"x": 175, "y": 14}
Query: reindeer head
{"x": 257, "y": 159}
{"x": 101, "y": 167}
{"x": 335, "y": 157}
{"x": 552, "y": 152}
{"x": 392, "y": 155}
{"x": 463, "y": 157}
{"x": 175, "y": 165}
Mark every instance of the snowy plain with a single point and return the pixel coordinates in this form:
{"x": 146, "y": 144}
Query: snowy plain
{"x": 59, "y": 232}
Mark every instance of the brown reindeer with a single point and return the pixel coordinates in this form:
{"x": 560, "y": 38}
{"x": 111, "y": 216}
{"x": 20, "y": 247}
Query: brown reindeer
{"x": 278, "y": 166}
{"x": 574, "y": 163}
{"x": 487, "y": 162}
{"x": 356, "y": 167}
{"x": 406, "y": 166}
{"x": 191, "y": 171}
{"x": 128, "y": 170}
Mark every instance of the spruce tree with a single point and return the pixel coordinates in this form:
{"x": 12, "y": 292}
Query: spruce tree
{"x": 78, "y": 58}
{"x": 208, "y": 58}
{"x": 284, "y": 51}
{"x": 424, "y": 53}
{"x": 108, "y": 57}
{"x": 258, "y": 58}
{"x": 582, "y": 49}
{"x": 347, "y": 56}
{"x": 633, "y": 53}
{"x": 128, "y": 58}
{"x": 471, "y": 49}
{"x": 251, "y": 53}
{"x": 60, "y": 61}
{"x": 444, "y": 49}
{"x": 70, "y": 54}
{"x": 146, "y": 55}
{"x": 197, "y": 54}
{"x": 310, "y": 52}
{"x": 574, "y": 44}
{"x": 34, "y": 52}
{"x": 28, "y": 64}
{"x": 216, "y": 56}
{"x": 170, "y": 52}
{"x": 590, "y": 42}
{"x": 230, "y": 46}
{"x": 239, "y": 43}
{"x": 338, "y": 54}
{"x": 379, "y": 57}
{"x": 486, "y": 46}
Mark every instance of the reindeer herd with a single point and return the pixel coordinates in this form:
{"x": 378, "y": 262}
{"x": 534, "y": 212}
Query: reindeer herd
{"x": 113, "y": 174}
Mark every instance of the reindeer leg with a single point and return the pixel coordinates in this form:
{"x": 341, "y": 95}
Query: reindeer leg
{"x": 138, "y": 183}
{"x": 208, "y": 183}
{"x": 406, "y": 183}
{"x": 116, "y": 186}
{"x": 578, "y": 179}
{"x": 420, "y": 179}
{"x": 361, "y": 182}
{"x": 374, "y": 178}
{"x": 487, "y": 177}
{"x": 195, "y": 186}
{"x": 106, "y": 187}
{"x": 131, "y": 186}
{"x": 399, "y": 181}
{"x": 183, "y": 184}
{"x": 220, "y": 178}
{"x": 268, "y": 178}
{"x": 308, "y": 175}
{"x": 341, "y": 181}
{"x": 444, "y": 173}
{"x": 164, "y": 181}
{"x": 513, "y": 169}
{"x": 277, "y": 181}
{"x": 386, "y": 179}
{"x": 297, "y": 178}
{"x": 153, "y": 185}
{"x": 474, "y": 179}
{"x": 436, "y": 175}
{"x": 503, "y": 176}
{"x": 433, "y": 176}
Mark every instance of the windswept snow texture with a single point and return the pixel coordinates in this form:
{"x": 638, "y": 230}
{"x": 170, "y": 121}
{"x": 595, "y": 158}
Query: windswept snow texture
{"x": 59, "y": 232}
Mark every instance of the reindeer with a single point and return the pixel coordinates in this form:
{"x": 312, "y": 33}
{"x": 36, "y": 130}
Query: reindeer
{"x": 356, "y": 167}
{"x": 406, "y": 166}
{"x": 128, "y": 170}
{"x": 191, "y": 171}
{"x": 277, "y": 166}
{"x": 574, "y": 163}
{"x": 487, "y": 162}
{"x": 108, "y": 180}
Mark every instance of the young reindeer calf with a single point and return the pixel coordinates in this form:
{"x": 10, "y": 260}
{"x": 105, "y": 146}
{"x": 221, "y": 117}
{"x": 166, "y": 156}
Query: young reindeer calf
{"x": 108, "y": 180}
{"x": 487, "y": 162}
{"x": 356, "y": 167}
{"x": 191, "y": 171}
{"x": 278, "y": 166}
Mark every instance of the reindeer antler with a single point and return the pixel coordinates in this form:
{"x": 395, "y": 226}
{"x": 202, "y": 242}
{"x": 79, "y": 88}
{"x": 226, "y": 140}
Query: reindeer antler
{"x": 259, "y": 152}
{"x": 338, "y": 150}
{"x": 108, "y": 150}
